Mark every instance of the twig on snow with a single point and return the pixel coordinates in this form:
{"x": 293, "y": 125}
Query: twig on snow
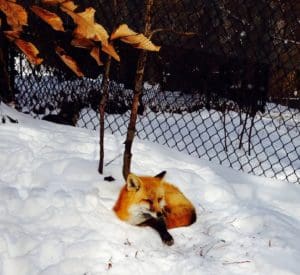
{"x": 109, "y": 162}
{"x": 203, "y": 252}
{"x": 237, "y": 262}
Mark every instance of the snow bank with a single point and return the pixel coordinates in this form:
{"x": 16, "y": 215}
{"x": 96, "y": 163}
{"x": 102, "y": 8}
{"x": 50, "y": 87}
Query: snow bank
{"x": 56, "y": 217}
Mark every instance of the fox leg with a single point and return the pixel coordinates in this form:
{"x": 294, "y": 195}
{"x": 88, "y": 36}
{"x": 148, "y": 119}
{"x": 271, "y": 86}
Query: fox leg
{"x": 159, "y": 225}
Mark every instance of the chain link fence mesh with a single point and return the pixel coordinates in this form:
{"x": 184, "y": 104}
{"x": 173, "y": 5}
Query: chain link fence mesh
{"x": 224, "y": 87}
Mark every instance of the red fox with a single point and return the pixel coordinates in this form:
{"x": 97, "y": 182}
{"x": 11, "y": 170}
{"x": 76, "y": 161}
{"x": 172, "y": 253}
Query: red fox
{"x": 153, "y": 202}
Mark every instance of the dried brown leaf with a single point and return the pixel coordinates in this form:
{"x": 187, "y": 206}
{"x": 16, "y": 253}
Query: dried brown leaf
{"x": 95, "y": 53}
{"x": 12, "y": 35}
{"x": 16, "y": 15}
{"x": 137, "y": 40}
{"x": 69, "y": 61}
{"x": 82, "y": 43}
{"x": 141, "y": 42}
{"x": 86, "y": 25}
{"x": 90, "y": 45}
{"x": 121, "y": 31}
{"x": 110, "y": 50}
{"x": 53, "y": 2}
{"x": 30, "y": 51}
{"x": 70, "y": 5}
{"x": 50, "y": 18}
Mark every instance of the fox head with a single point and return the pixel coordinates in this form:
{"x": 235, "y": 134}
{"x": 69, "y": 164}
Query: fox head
{"x": 145, "y": 197}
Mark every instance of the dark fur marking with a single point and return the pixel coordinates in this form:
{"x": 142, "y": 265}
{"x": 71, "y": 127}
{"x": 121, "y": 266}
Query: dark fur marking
{"x": 160, "y": 226}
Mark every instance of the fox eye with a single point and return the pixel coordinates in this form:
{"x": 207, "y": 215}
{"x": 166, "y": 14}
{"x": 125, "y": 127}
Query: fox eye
{"x": 148, "y": 201}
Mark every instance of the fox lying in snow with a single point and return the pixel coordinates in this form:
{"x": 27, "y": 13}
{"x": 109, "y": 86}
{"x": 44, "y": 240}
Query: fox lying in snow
{"x": 150, "y": 201}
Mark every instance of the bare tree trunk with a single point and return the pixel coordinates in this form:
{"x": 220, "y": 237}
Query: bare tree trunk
{"x": 102, "y": 105}
{"x": 103, "y": 101}
{"x": 137, "y": 93}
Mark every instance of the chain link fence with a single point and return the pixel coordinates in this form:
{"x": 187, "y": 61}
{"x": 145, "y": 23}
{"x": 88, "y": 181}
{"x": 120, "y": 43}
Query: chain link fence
{"x": 224, "y": 87}
{"x": 267, "y": 143}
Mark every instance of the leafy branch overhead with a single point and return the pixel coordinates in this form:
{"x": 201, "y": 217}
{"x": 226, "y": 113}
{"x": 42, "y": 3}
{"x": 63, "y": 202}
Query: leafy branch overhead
{"x": 87, "y": 34}
{"x": 50, "y": 18}
{"x": 26, "y": 47}
{"x": 16, "y": 15}
{"x": 68, "y": 61}
{"x": 17, "y": 18}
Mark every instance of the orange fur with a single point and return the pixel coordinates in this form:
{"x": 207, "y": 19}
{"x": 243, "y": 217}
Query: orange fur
{"x": 149, "y": 197}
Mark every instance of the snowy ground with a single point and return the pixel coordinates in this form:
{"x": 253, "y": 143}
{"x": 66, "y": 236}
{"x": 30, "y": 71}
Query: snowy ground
{"x": 56, "y": 217}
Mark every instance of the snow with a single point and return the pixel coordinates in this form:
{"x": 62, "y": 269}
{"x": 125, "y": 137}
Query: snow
{"x": 56, "y": 210}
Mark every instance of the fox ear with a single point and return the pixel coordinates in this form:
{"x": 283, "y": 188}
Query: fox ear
{"x": 161, "y": 175}
{"x": 133, "y": 182}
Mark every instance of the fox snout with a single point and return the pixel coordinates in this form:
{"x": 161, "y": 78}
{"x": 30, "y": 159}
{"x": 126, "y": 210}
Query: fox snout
{"x": 158, "y": 214}
{"x": 153, "y": 214}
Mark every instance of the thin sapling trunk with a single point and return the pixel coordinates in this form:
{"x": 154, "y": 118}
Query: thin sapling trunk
{"x": 104, "y": 97}
{"x": 137, "y": 93}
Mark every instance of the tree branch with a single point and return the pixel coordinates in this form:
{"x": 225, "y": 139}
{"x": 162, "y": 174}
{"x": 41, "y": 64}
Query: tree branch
{"x": 173, "y": 31}
{"x": 284, "y": 40}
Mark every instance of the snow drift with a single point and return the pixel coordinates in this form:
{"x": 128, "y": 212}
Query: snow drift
{"x": 56, "y": 217}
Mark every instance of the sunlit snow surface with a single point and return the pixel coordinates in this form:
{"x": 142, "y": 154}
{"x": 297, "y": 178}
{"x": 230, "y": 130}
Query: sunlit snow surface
{"x": 56, "y": 217}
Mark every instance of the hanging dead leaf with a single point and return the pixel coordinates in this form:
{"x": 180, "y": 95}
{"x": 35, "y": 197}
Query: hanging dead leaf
{"x": 141, "y": 42}
{"x": 50, "y": 18}
{"x": 30, "y": 51}
{"x": 90, "y": 45}
{"x": 137, "y": 40}
{"x": 69, "y": 61}
{"x": 110, "y": 50}
{"x": 53, "y": 2}
{"x": 95, "y": 53}
{"x": 82, "y": 43}
{"x": 86, "y": 25}
{"x": 63, "y": 3}
{"x": 12, "y": 35}
{"x": 16, "y": 15}
{"x": 69, "y": 5}
{"x": 122, "y": 31}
